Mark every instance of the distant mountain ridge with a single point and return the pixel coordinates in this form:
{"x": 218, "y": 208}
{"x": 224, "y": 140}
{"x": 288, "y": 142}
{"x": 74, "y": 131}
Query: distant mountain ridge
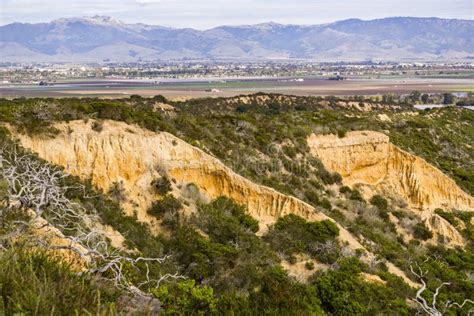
{"x": 101, "y": 39}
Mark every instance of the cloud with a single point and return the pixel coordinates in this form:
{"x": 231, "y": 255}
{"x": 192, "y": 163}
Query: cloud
{"x": 152, "y": 1}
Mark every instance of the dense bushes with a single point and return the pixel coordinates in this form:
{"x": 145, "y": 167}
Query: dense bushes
{"x": 449, "y": 265}
{"x": 233, "y": 270}
{"x": 232, "y": 251}
{"x": 292, "y": 235}
{"x": 168, "y": 204}
{"x": 343, "y": 292}
{"x": 187, "y": 298}
{"x": 37, "y": 284}
{"x": 420, "y": 231}
{"x": 223, "y": 218}
{"x": 238, "y": 265}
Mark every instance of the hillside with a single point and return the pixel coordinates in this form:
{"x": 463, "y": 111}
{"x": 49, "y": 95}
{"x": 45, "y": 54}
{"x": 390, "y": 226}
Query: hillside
{"x": 258, "y": 204}
{"x": 99, "y": 39}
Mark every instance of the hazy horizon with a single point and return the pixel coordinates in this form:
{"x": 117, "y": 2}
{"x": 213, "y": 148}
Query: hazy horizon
{"x": 211, "y": 13}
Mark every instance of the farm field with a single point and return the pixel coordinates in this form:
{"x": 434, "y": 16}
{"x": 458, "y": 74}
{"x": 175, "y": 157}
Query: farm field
{"x": 194, "y": 88}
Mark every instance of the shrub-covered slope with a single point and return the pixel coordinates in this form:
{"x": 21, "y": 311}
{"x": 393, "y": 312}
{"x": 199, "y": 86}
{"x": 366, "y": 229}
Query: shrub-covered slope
{"x": 228, "y": 269}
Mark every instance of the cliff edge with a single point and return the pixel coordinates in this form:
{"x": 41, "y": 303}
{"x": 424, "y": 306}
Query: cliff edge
{"x": 367, "y": 157}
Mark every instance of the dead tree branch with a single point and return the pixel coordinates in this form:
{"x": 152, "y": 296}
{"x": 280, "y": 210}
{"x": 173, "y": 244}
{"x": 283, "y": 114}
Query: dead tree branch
{"x": 37, "y": 189}
{"x": 432, "y": 310}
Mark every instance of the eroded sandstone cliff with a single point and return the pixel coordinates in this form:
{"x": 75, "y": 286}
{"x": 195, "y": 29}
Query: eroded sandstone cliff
{"x": 134, "y": 157}
{"x": 367, "y": 157}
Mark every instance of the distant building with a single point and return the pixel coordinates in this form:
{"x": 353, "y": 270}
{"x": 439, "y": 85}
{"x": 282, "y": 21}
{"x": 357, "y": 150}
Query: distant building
{"x": 336, "y": 78}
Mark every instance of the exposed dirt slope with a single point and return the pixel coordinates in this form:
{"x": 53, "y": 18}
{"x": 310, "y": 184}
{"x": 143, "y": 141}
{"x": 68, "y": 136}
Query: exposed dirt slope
{"x": 135, "y": 157}
{"x": 367, "y": 157}
{"x": 121, "y": 152}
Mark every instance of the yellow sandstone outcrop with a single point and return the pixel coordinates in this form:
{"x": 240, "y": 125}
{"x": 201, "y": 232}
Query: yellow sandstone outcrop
{"x": 134, "y": 156}
{"x": 367, "y": 157}
{"x": 60, "y": 247}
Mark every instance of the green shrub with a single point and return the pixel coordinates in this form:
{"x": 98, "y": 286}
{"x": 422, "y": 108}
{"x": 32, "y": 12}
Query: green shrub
{"x": 328, "y": 177}
{"x": 292, "y": 234}
{"x": 466, "y": 217}
{"x": 450, "y": 217}
{"x": 289, "y": 151}
{"x": 325, "y": 203}
{"x": 343, "y": 292}
{"x": 341, "y": 133}
{"x": 224, "y": 220}
{"x": 162, "y": 185}
{"x": 168, "y": 204}
{"x": 420, "y": 231}
{"x": 187, "y": 298}
{"x": 379, "y": 201}
{"x": 160, "y": 98}
{"x": 312, "y": 196}
{"x": 345, "y": 189}
{"x": 337, "y": 178}
{"x": 356, "y": 196}
{"x": 35, "y": 283}
{"x": 309, "y": 265}
{"x": 399, "y": 214}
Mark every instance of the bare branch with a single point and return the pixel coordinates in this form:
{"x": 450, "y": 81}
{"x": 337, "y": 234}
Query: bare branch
{"x": 37, "y": 190}
{"x": 432, "y": 310}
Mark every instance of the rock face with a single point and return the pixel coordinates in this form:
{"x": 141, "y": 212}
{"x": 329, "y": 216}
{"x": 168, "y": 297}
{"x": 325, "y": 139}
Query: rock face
{"x": 443, "y": 230}
{"x": 134, "y": 156}
{"x": 367, "y": 157}
{"x": 55, "y": 238}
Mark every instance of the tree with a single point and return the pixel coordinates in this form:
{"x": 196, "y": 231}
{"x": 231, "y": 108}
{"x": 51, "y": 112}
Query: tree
{"x": 388, "y": 98}
{"x": 448, "y": 98}
{"x": 425, "y": 98}
{"x": 415, "y": 96}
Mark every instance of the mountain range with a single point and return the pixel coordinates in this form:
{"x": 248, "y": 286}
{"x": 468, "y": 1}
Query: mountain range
{"x": 104, "y": 39}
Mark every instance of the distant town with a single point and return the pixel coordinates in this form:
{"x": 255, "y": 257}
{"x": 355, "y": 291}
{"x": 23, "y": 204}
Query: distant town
{"x": 30, "y": 73}
{"x": 425, "y": 83}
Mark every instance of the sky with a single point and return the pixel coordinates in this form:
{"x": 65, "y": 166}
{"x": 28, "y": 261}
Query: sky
{"x": 205, "y": 14}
